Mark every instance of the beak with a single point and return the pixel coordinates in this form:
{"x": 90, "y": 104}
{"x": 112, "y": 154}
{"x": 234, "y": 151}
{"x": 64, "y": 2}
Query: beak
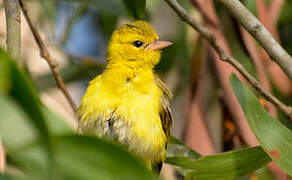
{"x": 156, "y": 45}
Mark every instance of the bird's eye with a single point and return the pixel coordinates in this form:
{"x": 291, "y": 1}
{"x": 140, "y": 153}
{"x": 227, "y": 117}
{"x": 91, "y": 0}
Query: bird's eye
{"x": 137, "y": 43}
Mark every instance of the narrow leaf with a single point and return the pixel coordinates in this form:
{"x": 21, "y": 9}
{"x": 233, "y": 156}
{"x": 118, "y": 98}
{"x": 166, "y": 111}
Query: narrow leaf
{"x": 178, "y": 148}
{"x": 275, "y": 138}
{"x": 136, "y": 9}
{"x": 225, "y": 166}
{"x": 23, "y": 93}
{"x": 83, "y": 157}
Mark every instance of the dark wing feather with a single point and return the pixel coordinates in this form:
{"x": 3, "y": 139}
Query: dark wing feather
{"x": 165, "y": 116}
{"x": 165, "y": 112}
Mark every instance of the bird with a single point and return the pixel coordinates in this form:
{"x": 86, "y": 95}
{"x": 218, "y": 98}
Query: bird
{"x": 128, "y": 103}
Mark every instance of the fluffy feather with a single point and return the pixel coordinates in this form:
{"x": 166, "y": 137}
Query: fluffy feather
{"x": 128, "y": 103}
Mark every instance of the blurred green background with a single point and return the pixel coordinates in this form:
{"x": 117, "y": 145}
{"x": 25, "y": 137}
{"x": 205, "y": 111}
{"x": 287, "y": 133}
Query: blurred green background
{"x": 37, "y": 125}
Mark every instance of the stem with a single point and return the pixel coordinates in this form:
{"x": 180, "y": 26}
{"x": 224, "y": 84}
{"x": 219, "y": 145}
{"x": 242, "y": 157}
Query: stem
{"x": 211, "y": 38}
{"x": 12, "y": 13}
{"x": 44, "y": 53}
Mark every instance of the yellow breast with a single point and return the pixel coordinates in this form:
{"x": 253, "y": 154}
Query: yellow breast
{"x": 126, "y": 108}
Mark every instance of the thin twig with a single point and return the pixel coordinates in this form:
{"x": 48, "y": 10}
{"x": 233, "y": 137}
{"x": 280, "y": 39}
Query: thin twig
{"x": 223, "y": 70}
{"x": 87, "y": 60}
{"x": 44, "y": 53}
{"x": 211, "y": 38}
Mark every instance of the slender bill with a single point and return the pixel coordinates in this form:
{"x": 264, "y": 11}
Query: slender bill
{"x": 156, "y": 45}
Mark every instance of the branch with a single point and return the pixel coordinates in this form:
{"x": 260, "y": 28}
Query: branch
{"x": 12, "y": 13}
{"x": 261, "y": 34}
{"x": 87, "y": 61}
{"x": 224, "y": 70}
{"x": 44, "y": 53}
{"x": 211, "y": 38}
{"x": 2, "y": 158}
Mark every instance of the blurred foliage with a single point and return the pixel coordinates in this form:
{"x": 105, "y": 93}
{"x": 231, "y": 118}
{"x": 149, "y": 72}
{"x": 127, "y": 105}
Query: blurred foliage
{"x": 43, "y": 146}
{"x": 40, "y": 144}
{"x": 136, "y": 9}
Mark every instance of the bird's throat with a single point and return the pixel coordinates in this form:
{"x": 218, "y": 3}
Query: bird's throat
{"x": 121, "y": 76}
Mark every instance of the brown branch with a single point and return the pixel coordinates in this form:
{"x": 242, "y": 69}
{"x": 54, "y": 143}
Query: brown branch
{"x": 44, "y": 53}
{"x": 209, "y": 16}
{"x": 267, "y": 17}
{"x": 197, "y": 135}
{"x": 2, "y": 158}
{"x": 275, "y": 10}
{"x": 223, "y": 70}
{"x": 211, "y": 38}
{"x": 261, "y": 34}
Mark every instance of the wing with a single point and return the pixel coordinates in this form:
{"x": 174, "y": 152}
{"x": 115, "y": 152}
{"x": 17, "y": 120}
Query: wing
{"x": 165, "y": 112}
{"x": 165, "y": 116}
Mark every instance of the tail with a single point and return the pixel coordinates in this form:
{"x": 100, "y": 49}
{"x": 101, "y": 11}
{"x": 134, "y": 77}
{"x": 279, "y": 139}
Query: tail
{"x": 157, "y": 168}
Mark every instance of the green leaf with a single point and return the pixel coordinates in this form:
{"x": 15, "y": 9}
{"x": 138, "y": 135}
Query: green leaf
{"x": 136, "y": 9}
{"x": 55, "y": 124}
{"x": 178, "y": 148}
{"x": 225, "y": 166}
{"x": 275, "y": 138}
{"x": 83, "y": 157}
{"x": 20, "y": 137}
{"x": 25, "y": 95}
{"x": 15, "y": 127}
{"x": 107, "y": 23}
{"x": 28, "y": 106}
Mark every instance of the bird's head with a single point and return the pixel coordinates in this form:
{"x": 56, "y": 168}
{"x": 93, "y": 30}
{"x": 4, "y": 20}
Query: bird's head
{"x": 135, "y": 44}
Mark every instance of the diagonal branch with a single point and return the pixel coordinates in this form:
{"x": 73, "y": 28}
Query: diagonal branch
{"x": 261, "y": 34}
{"x": 44, "y": 53}
{"x": 211, "y": 38}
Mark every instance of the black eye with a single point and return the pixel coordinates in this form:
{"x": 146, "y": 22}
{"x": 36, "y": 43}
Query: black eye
{"x": 137, "y": 43}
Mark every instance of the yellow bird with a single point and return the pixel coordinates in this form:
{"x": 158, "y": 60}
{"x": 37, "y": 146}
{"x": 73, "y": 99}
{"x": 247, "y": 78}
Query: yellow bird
{"x": 128, "y": 103}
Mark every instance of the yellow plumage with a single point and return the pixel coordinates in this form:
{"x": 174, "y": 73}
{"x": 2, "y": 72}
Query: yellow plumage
{"x": 127, "y": 102}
